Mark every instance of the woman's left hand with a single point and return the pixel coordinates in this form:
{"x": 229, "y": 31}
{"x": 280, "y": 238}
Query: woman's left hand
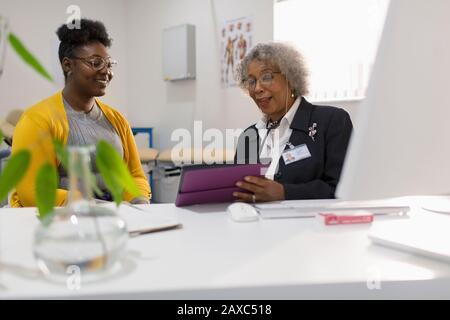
{"x": 261, "y": 189}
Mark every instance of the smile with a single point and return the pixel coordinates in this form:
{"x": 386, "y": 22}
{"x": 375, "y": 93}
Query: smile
{"x": 263, "y": 102}
{"x": 104, "y": 82}
{"x": 266, "y": 99}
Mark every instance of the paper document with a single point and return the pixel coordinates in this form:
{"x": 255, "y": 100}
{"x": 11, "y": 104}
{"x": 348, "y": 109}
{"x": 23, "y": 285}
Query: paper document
{"x": 140, "y": 221}
{"x": 425, "y": 235}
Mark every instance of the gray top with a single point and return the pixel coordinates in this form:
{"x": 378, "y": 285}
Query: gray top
{"x": 88, "y": 129}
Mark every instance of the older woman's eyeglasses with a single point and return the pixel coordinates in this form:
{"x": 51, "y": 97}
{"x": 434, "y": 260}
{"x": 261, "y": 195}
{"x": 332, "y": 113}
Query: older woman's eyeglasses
{"x": 97, "y": 63}
{"x": 264, "y": 79}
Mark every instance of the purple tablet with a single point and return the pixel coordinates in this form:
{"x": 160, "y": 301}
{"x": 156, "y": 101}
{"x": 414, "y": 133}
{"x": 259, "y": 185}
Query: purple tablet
{"x": 213, "y": 183}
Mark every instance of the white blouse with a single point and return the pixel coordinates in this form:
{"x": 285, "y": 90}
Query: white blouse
{"x": 274, "y": 141}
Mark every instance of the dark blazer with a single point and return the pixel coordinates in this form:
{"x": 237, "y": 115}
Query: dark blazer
{"x": 315, "y": 177}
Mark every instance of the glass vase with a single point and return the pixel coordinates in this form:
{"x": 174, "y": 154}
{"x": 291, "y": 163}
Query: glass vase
{"x": 81, "y": 236}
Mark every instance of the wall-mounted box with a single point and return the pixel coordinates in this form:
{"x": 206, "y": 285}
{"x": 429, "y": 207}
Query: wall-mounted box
{"x": 178, "y": 44}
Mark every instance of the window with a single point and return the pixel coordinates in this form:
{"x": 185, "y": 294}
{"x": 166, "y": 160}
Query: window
{"x": 339, "y": 40}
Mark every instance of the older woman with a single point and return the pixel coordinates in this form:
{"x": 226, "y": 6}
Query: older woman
{"x": 76, "y": 116}
{"x": 305, "y": 144}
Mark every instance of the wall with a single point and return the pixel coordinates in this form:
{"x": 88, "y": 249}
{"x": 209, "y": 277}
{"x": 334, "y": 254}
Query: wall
{"x": 35, "y": 22}
{"x": 138, "y": 89}
{"x": 170, "y": 105}
{"x": 166, "y": 105}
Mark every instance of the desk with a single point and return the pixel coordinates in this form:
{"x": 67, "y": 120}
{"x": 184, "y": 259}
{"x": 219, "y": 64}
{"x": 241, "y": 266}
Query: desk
{"x": 213, "y": 257}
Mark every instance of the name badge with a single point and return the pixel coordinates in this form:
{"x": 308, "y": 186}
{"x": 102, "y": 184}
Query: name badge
{"x": 296, "y": 154}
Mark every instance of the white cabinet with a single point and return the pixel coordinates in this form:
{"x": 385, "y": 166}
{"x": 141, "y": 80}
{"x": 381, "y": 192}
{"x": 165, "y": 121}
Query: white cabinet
{"x": 178, "y": 53}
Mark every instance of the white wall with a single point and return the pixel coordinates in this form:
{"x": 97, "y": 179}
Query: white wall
{"x": 165, "y": 105}
{"x": 352, "y": 107}
{"x": 138, "y": 89}
{"x": 35, "y": 22}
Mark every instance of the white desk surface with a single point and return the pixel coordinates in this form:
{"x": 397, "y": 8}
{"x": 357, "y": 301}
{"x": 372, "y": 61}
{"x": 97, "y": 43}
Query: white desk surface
{"x": 213, "y": 257}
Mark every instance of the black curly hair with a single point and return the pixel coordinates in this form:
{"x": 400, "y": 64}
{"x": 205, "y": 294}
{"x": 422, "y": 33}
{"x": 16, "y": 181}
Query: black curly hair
{"x": 89, "y": 31}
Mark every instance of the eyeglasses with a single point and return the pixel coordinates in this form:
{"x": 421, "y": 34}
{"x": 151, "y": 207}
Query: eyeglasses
{"x": 97, "y": 63}
{"x": 265, "y": 80}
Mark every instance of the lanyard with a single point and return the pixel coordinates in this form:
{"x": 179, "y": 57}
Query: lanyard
{"x": 275, "y": 152}
{"x": 269, "y": 126}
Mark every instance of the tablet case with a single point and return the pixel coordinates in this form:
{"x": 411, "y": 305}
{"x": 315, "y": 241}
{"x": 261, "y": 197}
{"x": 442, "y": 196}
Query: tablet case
{"x": 213, "y": 183}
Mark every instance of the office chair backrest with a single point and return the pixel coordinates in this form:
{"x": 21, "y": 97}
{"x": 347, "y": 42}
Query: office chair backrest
{"x": 8, "y": 124}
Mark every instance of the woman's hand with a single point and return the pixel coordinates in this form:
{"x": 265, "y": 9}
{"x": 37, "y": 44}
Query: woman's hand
{"x": 261, "y": 189}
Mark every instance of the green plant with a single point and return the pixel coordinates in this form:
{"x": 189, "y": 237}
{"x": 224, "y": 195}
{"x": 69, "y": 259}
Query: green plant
{"x": 14, "y": 171}
{"x": 20, "y": 49}
{"x": 111, "y": 166}
{"x": 114, "y": 171}
{"x": 17, "y": 165}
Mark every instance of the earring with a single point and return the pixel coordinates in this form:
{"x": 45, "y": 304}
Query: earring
{"x": 69, "y": 73}
{"x": 292, "y": 95}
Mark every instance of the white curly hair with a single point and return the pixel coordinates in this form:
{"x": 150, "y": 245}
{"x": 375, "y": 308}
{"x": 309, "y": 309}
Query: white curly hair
{"x": 279, "y": 54}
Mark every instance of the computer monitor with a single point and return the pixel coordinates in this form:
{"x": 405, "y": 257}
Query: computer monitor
{"x": 401, "y": 142}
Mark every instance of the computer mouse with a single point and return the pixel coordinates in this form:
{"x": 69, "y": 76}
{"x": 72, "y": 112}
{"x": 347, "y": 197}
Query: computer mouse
{"x": 242, "y": 212}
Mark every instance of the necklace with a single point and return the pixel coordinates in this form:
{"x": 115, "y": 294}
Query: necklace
{"x": 272, "y": 124}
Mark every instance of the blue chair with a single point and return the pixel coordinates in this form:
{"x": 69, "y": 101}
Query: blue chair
{"x": 5, "y": 153}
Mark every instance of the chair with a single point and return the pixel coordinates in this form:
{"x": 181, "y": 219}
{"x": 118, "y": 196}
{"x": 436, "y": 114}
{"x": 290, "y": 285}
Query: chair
{"x": 8, "y": 124}
{"x": 148, "y": 158}
{"x": 168, "y": 168}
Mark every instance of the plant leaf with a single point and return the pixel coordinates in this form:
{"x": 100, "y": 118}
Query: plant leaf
{"x": 93, "y": 183}
{"x": 26, "y": 56}
{"x": 62, "y": 153}
{"x": 118, "y": 167}
{"x": 14, "y": 170}
{"x": 48, "y": 218}
{"x": 46, "y": 184}
{"x": 114, "y": 170}
{"x": 63, "y": 156}
{"x": 112, "y": 183}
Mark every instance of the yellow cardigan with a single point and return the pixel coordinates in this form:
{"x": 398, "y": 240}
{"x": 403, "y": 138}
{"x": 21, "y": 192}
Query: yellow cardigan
{"x": 47, "y": 120}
